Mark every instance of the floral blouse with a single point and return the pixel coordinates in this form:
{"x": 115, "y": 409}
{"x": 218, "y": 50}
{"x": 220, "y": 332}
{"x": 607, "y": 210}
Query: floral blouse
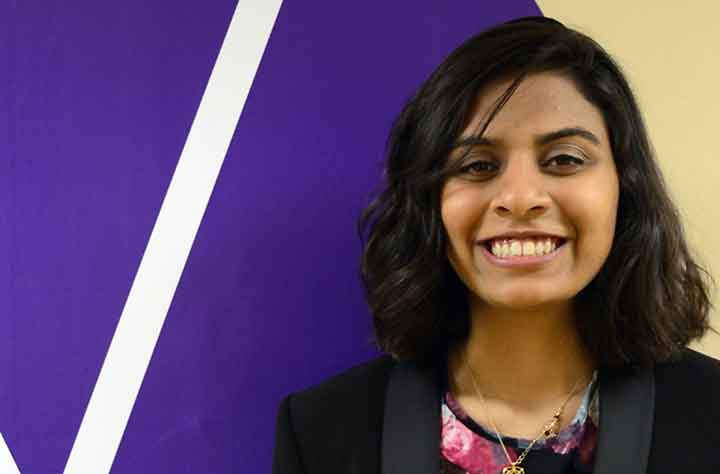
{"x": 468, "y": 448}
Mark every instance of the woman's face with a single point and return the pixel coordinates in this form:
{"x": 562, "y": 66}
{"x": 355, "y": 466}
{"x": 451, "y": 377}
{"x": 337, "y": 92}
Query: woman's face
{"x": 544, "y": 166}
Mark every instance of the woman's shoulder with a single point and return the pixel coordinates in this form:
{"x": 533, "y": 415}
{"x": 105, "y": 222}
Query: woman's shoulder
{"x": 686, "y": 410}
{"x": 356, "y": 392}
{"x": 340, "y": 415}
{"x": 687, "y": 390}
{"x": 689, "y": 365}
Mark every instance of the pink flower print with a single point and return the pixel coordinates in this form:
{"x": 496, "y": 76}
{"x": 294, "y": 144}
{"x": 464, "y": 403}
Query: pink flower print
{"x": 468, "y": 450}
{"x": 567, "y": 440}
{"x": 586, "y": 449}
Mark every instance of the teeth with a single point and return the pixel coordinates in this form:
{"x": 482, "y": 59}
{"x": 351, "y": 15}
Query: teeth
{"x": 528, "y": 247}
{"x": 525, "y": 247}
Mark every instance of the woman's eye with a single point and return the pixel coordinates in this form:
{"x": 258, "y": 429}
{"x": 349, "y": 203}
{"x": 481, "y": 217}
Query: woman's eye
{"x": 478, "y": 167}
{"x": 566, "y": 161}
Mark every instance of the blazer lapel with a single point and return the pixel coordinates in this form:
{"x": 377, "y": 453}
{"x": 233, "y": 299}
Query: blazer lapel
{"x": 627, "y": 405}
{"x": 411, "y": 424}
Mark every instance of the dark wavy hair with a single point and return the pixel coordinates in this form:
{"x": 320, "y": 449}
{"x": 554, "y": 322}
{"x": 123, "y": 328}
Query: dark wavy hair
{"x": 650, "y": 298}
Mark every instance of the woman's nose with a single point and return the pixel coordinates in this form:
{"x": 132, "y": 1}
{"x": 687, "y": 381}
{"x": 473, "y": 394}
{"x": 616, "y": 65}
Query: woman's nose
{"x": 521, "y": 190}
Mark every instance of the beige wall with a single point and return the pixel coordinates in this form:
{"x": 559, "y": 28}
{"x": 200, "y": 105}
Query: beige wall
{"x": 669, "y": 51}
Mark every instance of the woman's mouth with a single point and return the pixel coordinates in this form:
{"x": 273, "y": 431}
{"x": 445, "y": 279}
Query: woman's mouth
{"x": 508, "y": 252}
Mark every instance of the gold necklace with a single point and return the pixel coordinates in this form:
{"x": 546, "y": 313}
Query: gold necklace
{"x": 514, "y": 467}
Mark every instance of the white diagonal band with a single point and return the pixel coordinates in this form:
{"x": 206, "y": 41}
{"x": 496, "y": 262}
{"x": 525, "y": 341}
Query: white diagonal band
{"x": 152, "y": 291}
{"x": 7, "y": 463}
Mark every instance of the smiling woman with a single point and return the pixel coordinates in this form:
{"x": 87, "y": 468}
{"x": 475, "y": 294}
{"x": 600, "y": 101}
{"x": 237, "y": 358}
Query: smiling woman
{"x": 529, "y": 280}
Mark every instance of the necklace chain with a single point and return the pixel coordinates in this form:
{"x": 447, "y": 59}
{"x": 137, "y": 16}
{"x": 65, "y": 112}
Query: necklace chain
{"x": 514, "y": 466}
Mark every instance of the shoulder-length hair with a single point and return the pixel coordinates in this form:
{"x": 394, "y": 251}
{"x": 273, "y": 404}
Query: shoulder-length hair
{"x": 648, "y": 301}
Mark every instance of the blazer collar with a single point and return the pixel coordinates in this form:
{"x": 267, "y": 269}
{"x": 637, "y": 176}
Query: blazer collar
{"x": 627, "y": 408}
{"x": 411, "y": 424}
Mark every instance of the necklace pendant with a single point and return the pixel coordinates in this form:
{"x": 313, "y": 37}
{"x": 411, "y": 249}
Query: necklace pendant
{"x": 513, "y": 469}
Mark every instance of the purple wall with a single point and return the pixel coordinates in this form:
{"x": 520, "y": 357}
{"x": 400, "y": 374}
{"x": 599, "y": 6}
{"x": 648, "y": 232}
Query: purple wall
{"x": 101, "y": 98}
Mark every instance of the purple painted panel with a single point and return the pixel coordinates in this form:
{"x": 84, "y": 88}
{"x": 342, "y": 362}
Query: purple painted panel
{"x": 270, "y": 300}
{"x": 96, "y": 107}
{"x": 103, "y": 97}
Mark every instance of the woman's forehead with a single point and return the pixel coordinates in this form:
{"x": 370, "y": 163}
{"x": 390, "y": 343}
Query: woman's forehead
{"x": 541, "y": 104}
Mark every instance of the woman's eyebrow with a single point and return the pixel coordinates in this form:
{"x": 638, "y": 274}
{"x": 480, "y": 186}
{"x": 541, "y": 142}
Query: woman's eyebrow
{"x": 541, "y": 140}
{"x": 568, "y": 132}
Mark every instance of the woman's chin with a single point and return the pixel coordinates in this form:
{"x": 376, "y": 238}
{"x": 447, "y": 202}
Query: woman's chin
{"x": 524, "y": 301}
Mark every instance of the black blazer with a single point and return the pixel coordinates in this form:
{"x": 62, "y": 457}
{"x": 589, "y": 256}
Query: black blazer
{"x": 384, "y": 417}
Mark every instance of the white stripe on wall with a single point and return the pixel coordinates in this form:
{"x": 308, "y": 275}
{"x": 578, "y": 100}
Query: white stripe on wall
{"x": 7, "y": 463}
{"x": 152, "y": 291}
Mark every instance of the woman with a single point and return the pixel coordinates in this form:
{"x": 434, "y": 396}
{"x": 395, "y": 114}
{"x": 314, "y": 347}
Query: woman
{"x": 529, "y": 281}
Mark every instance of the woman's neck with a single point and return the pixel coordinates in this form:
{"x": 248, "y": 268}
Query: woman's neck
{"x": 526, "y": 359}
